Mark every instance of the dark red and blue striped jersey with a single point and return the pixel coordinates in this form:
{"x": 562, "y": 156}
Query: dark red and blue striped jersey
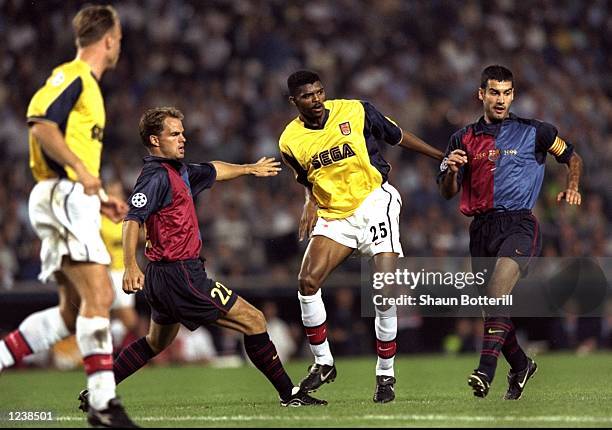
{"x": 505, "y": 167}
{"x": 163, "y": 200}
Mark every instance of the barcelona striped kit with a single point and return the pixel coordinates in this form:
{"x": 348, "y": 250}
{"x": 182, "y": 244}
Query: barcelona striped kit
{"x": 505, "y": 167}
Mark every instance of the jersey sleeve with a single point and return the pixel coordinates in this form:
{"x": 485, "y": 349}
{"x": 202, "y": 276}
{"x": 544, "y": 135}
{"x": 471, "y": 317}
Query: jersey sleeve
{"x": 301, "y": 175}
{"x": 54, "y": 101}
{"x": 151, "y": 193}
{"x": 453, "y": 143}
{"x": 381, "y": 127}
{"x": 548, "y": 141}
{"x": 201, "y": 176}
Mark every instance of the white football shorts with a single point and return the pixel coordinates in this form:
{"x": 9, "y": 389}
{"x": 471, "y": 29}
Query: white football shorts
{"x": 67, "y": 221}
{"x": 374, "y": 226}
{"x": 122, "y": 299}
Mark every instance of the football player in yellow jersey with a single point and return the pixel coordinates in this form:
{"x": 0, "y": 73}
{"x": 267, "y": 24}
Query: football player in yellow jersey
{"x": 332, "y": 146}
{"x": 66, "y": 119}
{"x": 122, "y": 308}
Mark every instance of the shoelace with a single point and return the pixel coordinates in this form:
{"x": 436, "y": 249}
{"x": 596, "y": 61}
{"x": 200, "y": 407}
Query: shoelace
{"x": 381, "y": 389}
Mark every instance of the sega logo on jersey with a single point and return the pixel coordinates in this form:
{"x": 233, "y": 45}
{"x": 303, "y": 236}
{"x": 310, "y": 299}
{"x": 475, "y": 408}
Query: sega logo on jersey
{"x": 329, "y": 156}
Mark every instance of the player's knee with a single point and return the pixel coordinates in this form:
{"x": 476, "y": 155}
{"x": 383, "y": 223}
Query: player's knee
{"x": 69, "y": 314}
{"x": 257, "y": 322}
{"x": 157, "y": 345}
{"x": 97, "y": 302}
{"x": 105, "y": 298}
{"x": 308, "y": 285}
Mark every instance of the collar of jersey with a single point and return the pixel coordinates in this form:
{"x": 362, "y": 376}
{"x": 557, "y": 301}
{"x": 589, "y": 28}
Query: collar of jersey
{"x": 153, "y": 159}
{"x": 86, "y": 65}
{"x": 325, "y": 118}
{"x": 483, "y": 127}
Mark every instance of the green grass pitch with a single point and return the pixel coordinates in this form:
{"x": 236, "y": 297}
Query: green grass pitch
{"x": 567, "y": 391}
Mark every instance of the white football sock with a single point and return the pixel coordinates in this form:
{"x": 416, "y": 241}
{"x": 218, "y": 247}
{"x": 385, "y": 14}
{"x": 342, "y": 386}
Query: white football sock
{"x": 37, "y": 333}
{"x": 314, "y": 315}
{"x": 385, "y": 326}
{"x": 94, "y": 340}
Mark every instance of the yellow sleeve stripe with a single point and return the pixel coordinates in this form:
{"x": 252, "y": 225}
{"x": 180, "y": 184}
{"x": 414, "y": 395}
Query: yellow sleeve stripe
{"x": 558, "y": 147}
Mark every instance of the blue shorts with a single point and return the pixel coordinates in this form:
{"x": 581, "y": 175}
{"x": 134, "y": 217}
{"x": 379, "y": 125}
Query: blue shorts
{"x": 181, "y": 292}
{"x": 514, "y": 234}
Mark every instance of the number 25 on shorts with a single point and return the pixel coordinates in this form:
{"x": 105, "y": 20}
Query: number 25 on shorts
{"x": 222, "y": 292}
{"x": 382, "y": 229}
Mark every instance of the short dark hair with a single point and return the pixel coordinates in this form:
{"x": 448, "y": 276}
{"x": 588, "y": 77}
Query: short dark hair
{"x": 496, "y": 73}
{"x": 92, "y": 22}
{"x": 299, "y": 78}
{"x": 152, "y": 122}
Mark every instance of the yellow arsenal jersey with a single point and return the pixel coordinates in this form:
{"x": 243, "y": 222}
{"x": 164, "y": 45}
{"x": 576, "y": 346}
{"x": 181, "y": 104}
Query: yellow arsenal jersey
{"x": 111, "y": 235}
{"x": 71, "y": 98}
{"x": 341, "y": 163}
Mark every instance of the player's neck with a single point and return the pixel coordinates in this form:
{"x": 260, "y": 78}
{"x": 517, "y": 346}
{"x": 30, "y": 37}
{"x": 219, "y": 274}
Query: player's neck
{"x": 493, "y": 120}
{"x": 155, "y": 152}
{"x": 96, "y": 61}
{"x": 315, "y": 122}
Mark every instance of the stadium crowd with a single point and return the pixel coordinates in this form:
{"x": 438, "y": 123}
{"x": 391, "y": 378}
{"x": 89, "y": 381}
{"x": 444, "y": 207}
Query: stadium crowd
{"x": 225, "y": 64}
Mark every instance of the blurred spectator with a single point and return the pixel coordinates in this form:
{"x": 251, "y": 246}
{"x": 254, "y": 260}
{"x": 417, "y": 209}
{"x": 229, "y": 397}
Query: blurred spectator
{"x": 347, "y": 330}
{"x": 466, "y": 338}
{"x": 8, "y": 265}
{"x": 194, "y": 346}
{"x": 279, "y": 331}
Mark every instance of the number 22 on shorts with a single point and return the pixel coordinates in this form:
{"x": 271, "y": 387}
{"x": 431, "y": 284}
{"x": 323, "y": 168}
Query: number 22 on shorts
{"x": 222, "y": 292}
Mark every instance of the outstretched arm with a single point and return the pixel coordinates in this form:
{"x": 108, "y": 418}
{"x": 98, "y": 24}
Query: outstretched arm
{"x": 410, "y": 141}
{"x": 263, "y": 167}
{"x": 571, "y": 193}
